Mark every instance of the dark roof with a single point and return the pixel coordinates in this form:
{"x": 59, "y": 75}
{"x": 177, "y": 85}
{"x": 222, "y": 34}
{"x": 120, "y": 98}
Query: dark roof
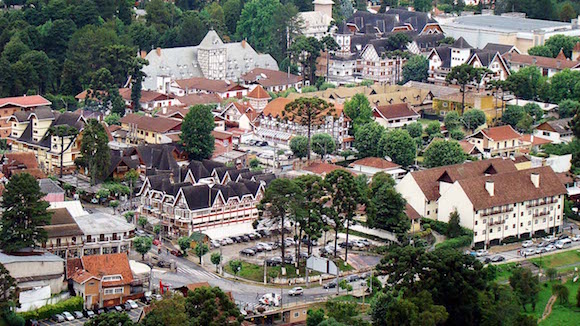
{"x": 197, "y": 197}
{"x": 496, "y": 47}
{"x": 62, "y": 224}
{"x": 48, "y": 186}
{"x": 158, "y": 157}
{"x": 385, "y": 22}
{"x": 561, "y": 126}
{"x": 395, "y": 111}
{"x": 266, "y": 178}
{"x": 461, "y": 43}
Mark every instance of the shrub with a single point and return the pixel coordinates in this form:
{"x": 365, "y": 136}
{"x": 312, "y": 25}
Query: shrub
{"x": 455, "y": 243}
{"x": 45, "y": 312}
{"x": 437, "y": 226}
{"x": 14, "y": 319}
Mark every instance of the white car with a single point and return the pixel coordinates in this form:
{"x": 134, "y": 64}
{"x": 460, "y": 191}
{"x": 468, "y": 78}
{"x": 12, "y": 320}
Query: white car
{"x": 296, "y": 291}
{"x": 68, "y": 316}
{"x": 550, "y": 248}
{"x": 575, "y": 238}
{"x": 549, "y": 238}
{"x": 481, "y": 253}
{"x": 215, "y": 243}
{"x": 527, "y": 243}
{"x": 264, "y": 246}
{"x": 528, "y": 252}
{"x": 270, "y": 299}
{"x": 133, "y": 304}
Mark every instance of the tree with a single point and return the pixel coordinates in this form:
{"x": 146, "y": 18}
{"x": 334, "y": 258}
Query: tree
{"x": 561, "y": 292}
{"x": 568, "y": 108}
{"x": 96, "y": 155}
{"x": 447, "y": 40}
{"x": 24, "y": 214}
{"x": 534, "y": 110}
{"x": 342, "y": 312}
{"x": 308, "y": 112}
{"x": 541, "y": 51}
{"x": 142, "y": 221}
{"x": 452, "y": 120}
{"x": 561, "y": 42}
{"x": 306, "y": 50}
{"x": 110, "y": 318}
{"x": 323, "y": 144}
{"x": 433, "y": 128}
{"x": 8, "y": 291}
{"x": 367, "y": 140}
{"x": 399, "y": 146}
{"x": 196, "y": 131}
{"x": 388, "y": 211}
{"x": 171, "y": 310}
{"x": 441, "y": 153}
{"x": 578, "y": 298}
{"x": 415, "y": 129}
{"x": 236, "y": 266}
{"x": 398, "y": 41}
{"x": 464, "y": 75}
{"x": 567, "y": 13}
{"x": 422, "y": 5}
{"x": 343, "y": 284}
{"x": 184, "y": 244}
{"x": 526, "y": 286}
{"x": 457, "y": 134}
{"x": 552, "y": 273}
{"x": 499, "y": 306}
{"x": 63, "y": 132}
{"x": 281, "y": 198}
{"x": 526, "y": 82}
{"x": 454, "y": 228}
{"x": 359, "y": 110}
{"x": 299, "y": 146}
{"x": 232, "y": 10}
{"x": 563, "y": 86}
{"x": 513, "y": 114}
{"x": 344, "y": 196}
{"x": 143, "y": 245}
{"x": 473, "y": 119}
{"x": 216, "y": 259}
{"x": 314, "y": 317}
{"x": 416, "y": 69}
{"x": 211, "y": 306}
{"x": 113, "y": 119}
{"x": 192, "y": 30}
{"x": 200, "y": 250}
{"x": 310, "y": 223}
{"x": 131, "y": 177}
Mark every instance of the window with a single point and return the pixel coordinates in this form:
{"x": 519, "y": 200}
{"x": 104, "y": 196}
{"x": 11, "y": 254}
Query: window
{"x": 114, "y": 291}
{"x": 514, "y": 226}
{"x": 475, "y": 233}
{"x": 484, "y": 221}
{"x": 490, "y": 230}
{"x": 536, "y": 221}
{"x": 475, "y": 222}
{"x": 111, "y": 278}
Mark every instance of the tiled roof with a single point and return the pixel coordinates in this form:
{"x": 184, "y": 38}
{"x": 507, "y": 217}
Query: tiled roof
{"x": 375, "y": 162}
{"x": 533, "y": 140}
{"x": 428, "y": 180}
{"x": 259, "y": 93}
{"x": 501, "y": 133}
{"x": 210, "y": 85}
{"x": 270, "y": 78}
{"x": 512, "y": 187}
{"x": 560, "y": 126}
{"x": 62, "y": 224}
{"x": 157, "y": 124}
{"x": 24, "y": 101}
{"x": 146, "y": 96}
{"x": 535, "y": 60}
{"x": 221, "y": 134}
{"x": 109, "y": 264}
{"x": 48, "y": 186}
{"x": 28, "y": 159}
{"x": 195, "y": 99}
{"x": 468, "y": 147}
{"x": 394, "y": 111}
{"x": 276, "y": 106}
{"x": 411, "y": 212}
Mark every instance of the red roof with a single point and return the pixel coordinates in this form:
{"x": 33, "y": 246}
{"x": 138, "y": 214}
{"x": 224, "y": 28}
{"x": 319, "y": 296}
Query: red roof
{"x": 157, "y": 124}
{"x": 221, "y": 134}
{"x": 24, "y": 101}
{"x": 259, "y": 93}
{"x": 27, "y": 159}
{"x": 375, "y": 162}
{"x": 501, "y": 133}
{"x": 535, "y": 141}
{"x": 110, "y": 264}
{"x": 323, "y": 168}
{"x": 395, "y": 111}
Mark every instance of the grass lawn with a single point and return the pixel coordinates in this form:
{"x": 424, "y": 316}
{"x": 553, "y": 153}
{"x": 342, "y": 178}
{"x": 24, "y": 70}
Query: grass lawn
{"x": 557, "y": 260}
{"x": 567, "y": 314}
{"x": 504, "y": 271}
{"x": 255, "y": 272}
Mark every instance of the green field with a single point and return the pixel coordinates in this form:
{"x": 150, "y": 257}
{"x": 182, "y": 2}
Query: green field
{"x": 255, "y": 272}
{"x": 568, "y": 314}
{"x": 558, "y": 260}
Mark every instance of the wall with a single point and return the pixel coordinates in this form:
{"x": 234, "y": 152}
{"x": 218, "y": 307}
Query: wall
{"x": 410, "y": 190}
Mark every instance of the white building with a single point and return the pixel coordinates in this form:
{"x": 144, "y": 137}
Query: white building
{"x": 374, "y": 165}
{"x": 557, "y": 131}
{"x": 395, "y": 115}
{"x": 316, "y": 23}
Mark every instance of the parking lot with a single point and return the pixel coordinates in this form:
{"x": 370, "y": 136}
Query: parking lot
{"x": 133, "y": 314}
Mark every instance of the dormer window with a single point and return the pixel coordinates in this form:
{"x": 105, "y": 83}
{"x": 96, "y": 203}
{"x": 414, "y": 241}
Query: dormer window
{"x": 112, "y": 278}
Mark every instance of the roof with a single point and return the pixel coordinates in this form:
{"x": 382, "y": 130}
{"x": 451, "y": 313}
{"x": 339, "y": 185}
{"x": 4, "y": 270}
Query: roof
{"x": 505, "y": 23}
{"x": 109, "y": 264}
{"x": 375, "y": 162}
{"x": 28, "y": 159}
{"x": 146, "y": 96}
{"x": 49, "y": 186}
{"x": 210, "y": 85}
{"x": 533, "y": 140}
{"x": 322, "y": 168}
{"x": 30, "y": 258}
{"x": 500, "y": 133}
{"x": 501, "y": 48}
{"x": 468, "y": 147}
{"x": 221, "y": 134}
{"x": 276, "y": 106}
{"x": 259, "y": 93}
{"x": 62, "y": 224}
{"x": 512, "y": 187}
{"x": 566, "y": 177}
{"x": 27, "y": 101}
{"x": 461, "y": 43}
{"x": 157, "y": 124}
{"x": 101, "y": 223}
{"x": 195, "y": 99}
{"x": 428, "y": 180}
{"x": 395, "y": 111}
{"x": 411, "y": 212}
{"x": 436, "y": 90}
{"x": 560, "y": 126}
{"x": 535, "y": 60}
{"x": 270, "y": 78}
{"x": 385, "y": 22}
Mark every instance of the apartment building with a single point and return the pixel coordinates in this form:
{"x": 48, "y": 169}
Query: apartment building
{"x": 11, "y": 105}
{"x": 497, "y": 141}
{"x": 137, "y": 129}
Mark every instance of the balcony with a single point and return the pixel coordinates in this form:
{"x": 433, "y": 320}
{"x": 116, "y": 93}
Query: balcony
{"x": 540, "y": 203}
{"x": 495, "y": 212}
{"x": 540, "y": 214}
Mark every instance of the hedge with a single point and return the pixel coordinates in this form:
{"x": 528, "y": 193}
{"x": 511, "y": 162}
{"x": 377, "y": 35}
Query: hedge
{"x": 14, "y": 319}
{"x": 437, "y": 226}
{"x": 45, "y": 312}
{"x": 455, "y": 243}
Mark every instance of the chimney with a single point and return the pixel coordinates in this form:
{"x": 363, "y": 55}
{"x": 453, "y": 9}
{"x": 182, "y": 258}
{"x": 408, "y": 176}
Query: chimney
{"x": 534, "y": 61}
{"x": 489, "y": 187}
{"x": 558, "y": 64}
{"x": 243, "y": 43}
{"x": 535, "y": 177}
{"x": 158, "y": 51}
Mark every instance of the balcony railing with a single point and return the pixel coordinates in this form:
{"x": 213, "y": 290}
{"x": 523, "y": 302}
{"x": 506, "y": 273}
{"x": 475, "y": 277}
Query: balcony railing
{"x": 542, "y": 203}
{"x": 540, "y": 214}
{"x": 495, "y": 212}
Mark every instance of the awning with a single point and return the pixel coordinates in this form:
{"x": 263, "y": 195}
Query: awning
{"x": 231, "y": 230}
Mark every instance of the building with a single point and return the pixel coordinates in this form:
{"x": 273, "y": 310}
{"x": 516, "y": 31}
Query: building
{"x": 272, "y": 80}
{"x": 395, "y": 115}
{"x": 139, "y": 129}
{"x": 393, "y": 20}
{"x": 497, "y": 141}
{"x": 10, "y": 105}
{"x": 240, "y": 115}
{"x": 317, "y": 23}
{"x": 200, "y": 85}
{"x": 373, "y": 165}
{"x": 521, "y": 32}
{"x": 470, "y": 149}
{"x": 322, "y": 168}
{"x": 548, "y": 66}
{"x": 557, "y": 131}
{"x": 54, "y": 193}
{"x": 30, "y": 133}
{"x": 505, "y": 205}
{"x": 485, "y": 101}
{"x": 21, "y": 162}
{"x": 101, "y": 280}
{"x": 212, "y": 59}
{"x": 150, "y": 100}
{"x": 207, "y": 195}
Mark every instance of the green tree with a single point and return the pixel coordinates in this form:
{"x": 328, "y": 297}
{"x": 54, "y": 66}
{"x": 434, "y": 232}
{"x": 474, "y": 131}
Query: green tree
{"x": 447, "y": 40}
{"x": 96, "y": 156}
{"x": 216, "y": 259}
{"x": 567, "y": 13}
{"x": 525, "y": 124}
{"x": 534, "y": 110}
{"x": 563, "y": 86}
{"x": 24, "y": 214}
{"x": 307, "y": 50}
{"x": 415, "y": 129}
{"x": 315, "y": 317}
{"x": 541, "y": 51}
{"x": 441, "y": 153}
{"x": 299, "y": 146}
{"x": 473, "y": 119}
{"x": 568, "y": 108}
{"x": 232, "y": 11}
{"x": 184, "y": 244}
{"x": 499, "y": 306}
{"x": 561, "y": 42}
{"x": 143, "y": 245}
{"x": 196, "y": 131}
{"x": 367, "y": 140}
{"x": 398, "y": 41}
{"x": 388, "y": 211}
{"x": 158, "y": 14}
{"x": 359, "y": 110}
{"x": 192, "y": 30}
{"x": 416, "y": 69}
{"x": 452, "y": 121}
{"x": 323, "y": 144}
{"x": 399, "y": 146}
{"x": 464, "y": 75}
{"x": 457, "y": 134}
{"x": 578, "y": 298}
{"x": 343, "y": 284}
{"x": 171, "y": 310}
{"x": 526, "y": 286}
{"x": 561, "y": 292}
{"x": 236, "y": 266}
{"x": 308, "y": 112}
{"x": 8, "y": 291}
{"x": 433, "y": 128}
{"x": 113, "y": 119}
{"x": 110, "y": 318}
{"x": 211, "y": 306}
{"x": 142, "y": 221}
{"x": 526, "y": 82}
{"x": 513, "y": 114}
{"x": 311, "y": 222}
{"x": 454, "y": 228}
{"x": 342, "y": 312}
{"x": 422, "y": 5}
{"x": 200, "y": 250}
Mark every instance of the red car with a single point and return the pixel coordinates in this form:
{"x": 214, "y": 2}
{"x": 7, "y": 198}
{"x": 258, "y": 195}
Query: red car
{"x": 176, "y": 253}
{"x": 157, "y": 242}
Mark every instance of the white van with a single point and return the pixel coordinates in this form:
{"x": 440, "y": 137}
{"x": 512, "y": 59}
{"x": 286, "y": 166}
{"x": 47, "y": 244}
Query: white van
{"x": 564, "y": 243}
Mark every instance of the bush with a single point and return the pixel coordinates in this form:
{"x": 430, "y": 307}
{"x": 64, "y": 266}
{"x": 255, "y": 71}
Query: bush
{"x": 45, "y": 312}
{"x": 437, "y": 226}
{"x": 455, "y": 243}
{"x": 14, "y": 319}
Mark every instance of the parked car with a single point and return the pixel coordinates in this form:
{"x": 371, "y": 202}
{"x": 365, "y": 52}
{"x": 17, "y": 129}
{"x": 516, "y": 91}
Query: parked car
{"x": 264, "y": 246}
{"x": 100, "y": 311}
{"x": 497, "y": 258}
{"x": 330, "y": 285}
{"x": 481, "y": 253}
{"x": 352, "y": 278}
{"x": 540, "y": 250}
{"x": 119, "y": 308}
{"x": 257, "y": 249}
{"x": 290, "y": 240}
{"x": 140, "y": 233}
{"x": 252, "y": 236}
{"x": 549, "y": 238}
{"x": 563, "y": 236}
{"x": 58, "y": 318}
{"x": 32, "y": 322}
{"x": 146, "y": 299}
{"x": 68, "y": 316}
{"x": 127, "y": 306}
{"x": 229, "y": 240}
{"x": 527, "y": 243}
{"x": 157, "y": 242}
{"x": 176, "y": 253}
{"x": 528, "y": 252}
{"x": 133, "y": 304}
{"x": 564, "y": 243}
{"x": 288, "y": 259}
{"x": 163, "y": 264}
{"x": 543, "y": 244}
{"x": 274, "y": 261}
{"x": 89, "y": 313}
{"x": 550, "y": 247}
{"x": 296, "y": 291}
{"x": 304, "y": 255}
{"x": 215, "y": 243}
{"x": 248, "y": 252}
{"x": 78, "y": 314}
{"x": 575, "y": 238}
{"x": 224, "y": 242}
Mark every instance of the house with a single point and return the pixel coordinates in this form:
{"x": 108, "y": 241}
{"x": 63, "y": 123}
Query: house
{"x": 10, "y": 105}
{"x": 258, "y": 98}
{"x": 557, "y": 131}
{"x": 393, "y": 20}
{"x": 200, "y": 85}
{"x": 548, "y": 66}
{"x": 200, "y": 98}
{"x": 211, "y": 59}
{"x": 470, "y": 149}
{"x": 30, "y": 133}
{"x": 322, "y": 168}
{"x": 39, "y": 275}
{"x": 54, "y": 193}
{"x": 497, "y": 141}
{"x": 317, "y": 23}
{"x": 531, "y": 143}
{"x": 395, "y": 115}
{"x": 422, "y": 189}
{"x": 373, "y": 165}
{"x": 139, "y": 129}
{"x": 521, "y": 32}
{"x": 21, "y": 162}
{"x": 509, "y": 205}
{"x": 484, "y": 101}
{"x": 149, "y": 100}
{"x": 123, "y": 161}
{"x": 501, "y": 48}
{"x": 572, "y": 184}
{"x": 64, "y": 236}
{"x": 240, "y": 115}
{"x": 277, "y": 127}
{"x": 101, "y": 280}
{"x": 272, "y": 80}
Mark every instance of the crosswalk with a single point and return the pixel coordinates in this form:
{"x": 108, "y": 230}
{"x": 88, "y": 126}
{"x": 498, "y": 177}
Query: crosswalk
{"x": 196, "y": 274}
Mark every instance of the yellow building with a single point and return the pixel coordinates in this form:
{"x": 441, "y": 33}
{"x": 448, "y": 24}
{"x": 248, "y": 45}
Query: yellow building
{"x": 138, "y": 129}
{"x": 30, "y": 133}
{"x": 484, "y": 101}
